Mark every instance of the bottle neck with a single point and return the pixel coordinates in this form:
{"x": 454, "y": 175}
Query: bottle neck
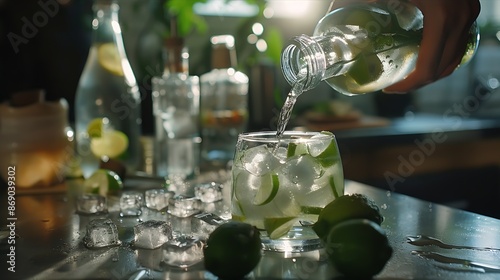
{"x": 303, "y": 61}
{"x": 223, "y": 57}
{"x": 105, "y": 25}
{"x": 176, "y": 56}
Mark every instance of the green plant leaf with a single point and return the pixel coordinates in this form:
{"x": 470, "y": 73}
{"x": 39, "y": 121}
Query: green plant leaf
{"x": 274, "y": 44}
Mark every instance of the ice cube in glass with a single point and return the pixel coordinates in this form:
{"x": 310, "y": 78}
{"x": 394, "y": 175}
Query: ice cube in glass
{"x": 91, "y": 204}
{"x": 208, "y": 192}
{"x": 182, "y": 206}
{"x": 151, "y": 234}
{"x": 131, "y": 203}
{"x": 101, "y": 233}
{"x": 183, "y": 251}
{"x": 158, "y": 199}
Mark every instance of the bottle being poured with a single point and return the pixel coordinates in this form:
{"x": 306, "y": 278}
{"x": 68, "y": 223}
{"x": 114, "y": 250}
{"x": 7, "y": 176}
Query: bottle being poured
{"x": 360, "y": 48}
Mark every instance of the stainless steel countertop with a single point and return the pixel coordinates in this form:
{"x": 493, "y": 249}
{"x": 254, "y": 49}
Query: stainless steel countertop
{"x": 49, "y": 243}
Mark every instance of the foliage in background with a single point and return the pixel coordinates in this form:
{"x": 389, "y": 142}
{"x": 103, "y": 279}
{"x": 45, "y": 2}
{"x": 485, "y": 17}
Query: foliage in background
{"x": 189, "y": 22}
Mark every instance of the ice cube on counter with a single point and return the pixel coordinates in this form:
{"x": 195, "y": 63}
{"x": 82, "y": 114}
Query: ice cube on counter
{"x": 158, "y": 199}
{"x": 91, "y": 204}
{"x": 151, "y": 234}
{"x": 183, "y": 251}
{"x": 182, "y": 206}
{"x": 208, "y": 192}
{"x": 101, "y": 232}
{"x": 131, "y": 203}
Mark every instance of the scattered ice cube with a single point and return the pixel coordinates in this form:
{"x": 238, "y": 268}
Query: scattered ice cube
{"x": 131, "y": 203}
{"x": 158, "y": 198}
{"x": 91, "y": 204}
{"x": 177, "y": 183}
{"x": 206, "y": 223}
{"x": 182, "y": 206}
{"x": 208, "y": 192}
{"x": 151, "y": 234}
{"x": 259, "y": 160}
{"x": 183, "y": 251}
{"x": 101, "y": 233}
{"x": 150, "y": 259}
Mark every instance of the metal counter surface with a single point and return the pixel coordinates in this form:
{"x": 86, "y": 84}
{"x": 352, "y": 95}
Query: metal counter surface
{"x": 48, "y": 243}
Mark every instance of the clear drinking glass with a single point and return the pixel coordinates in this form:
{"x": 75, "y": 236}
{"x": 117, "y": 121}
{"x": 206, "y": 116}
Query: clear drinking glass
{"x": 281, "y": 184}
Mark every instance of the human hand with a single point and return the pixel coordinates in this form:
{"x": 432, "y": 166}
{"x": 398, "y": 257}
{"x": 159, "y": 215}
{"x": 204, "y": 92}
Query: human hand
{"x": 445, "y": 35}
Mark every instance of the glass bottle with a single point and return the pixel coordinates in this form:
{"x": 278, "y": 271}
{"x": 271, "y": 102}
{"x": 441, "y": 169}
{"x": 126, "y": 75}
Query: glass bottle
{"x": 176, "y": 107}
{"x": 224, "y": 102}
{"x": 107, "y": 109}
{"x": 361, "y": 48}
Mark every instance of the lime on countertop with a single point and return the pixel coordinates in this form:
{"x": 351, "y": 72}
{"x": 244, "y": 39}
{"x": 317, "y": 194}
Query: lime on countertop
{"x": 358, "y": 248}
{"x": 233, "y": 250}
{"x": 345, "y": 207}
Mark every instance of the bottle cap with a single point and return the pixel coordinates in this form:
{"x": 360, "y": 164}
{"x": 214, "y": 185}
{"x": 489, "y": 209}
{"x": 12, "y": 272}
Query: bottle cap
{"x": 223, "y": 52}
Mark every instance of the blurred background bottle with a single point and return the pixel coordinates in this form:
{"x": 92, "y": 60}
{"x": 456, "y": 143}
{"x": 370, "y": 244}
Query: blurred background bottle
{"x": 224, "y": 102}
{"x": 107, "y": 102}
{"x": 176, "y": 109}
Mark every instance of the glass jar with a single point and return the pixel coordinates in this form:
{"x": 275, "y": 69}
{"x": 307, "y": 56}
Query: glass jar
{"x": 35, "y": 143}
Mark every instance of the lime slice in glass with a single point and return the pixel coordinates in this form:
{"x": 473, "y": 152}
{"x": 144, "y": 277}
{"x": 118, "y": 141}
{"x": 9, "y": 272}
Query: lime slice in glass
{"x": 325, "y": 152}
{"x": 112, "y": 144}
{"x": 267, "y": 190}
{"x": 277, "y": 227}
{"x": 103, "y": 181}
{"x": 296, "y": 149}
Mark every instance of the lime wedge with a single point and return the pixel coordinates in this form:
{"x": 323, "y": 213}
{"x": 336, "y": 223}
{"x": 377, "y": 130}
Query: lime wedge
{"x": 296, "y": 149}
{"x": 331, "y": 182}
{"x": 95, "y": 127}
{"x": 112, "y": 144}
{"x": 325, "y": 152}
{"x": 267, "y": 191}
{"x": 277, "y": 227}
{"x": 103, "y": 181}
{"x": 366, "y": 68}
{"x": 109, "y": 58}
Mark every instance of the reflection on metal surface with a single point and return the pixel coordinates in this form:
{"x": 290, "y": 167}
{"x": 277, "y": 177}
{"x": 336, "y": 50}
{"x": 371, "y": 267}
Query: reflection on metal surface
{"x": 463, "y": 264}
{"x": 422, "y": 240}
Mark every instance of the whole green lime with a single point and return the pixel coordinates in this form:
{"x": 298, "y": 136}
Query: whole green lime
{"x": 233, "y": 250}
{"x": 359, "y": 248}
{"x": 343, "y": 208}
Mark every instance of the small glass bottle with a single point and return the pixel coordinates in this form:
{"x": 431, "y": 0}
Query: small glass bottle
{"x": 176, "y": 107}
{"x": 224, "y": 102}
{"x": 361, "y": 48}
{"x": 107, "y": 102}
